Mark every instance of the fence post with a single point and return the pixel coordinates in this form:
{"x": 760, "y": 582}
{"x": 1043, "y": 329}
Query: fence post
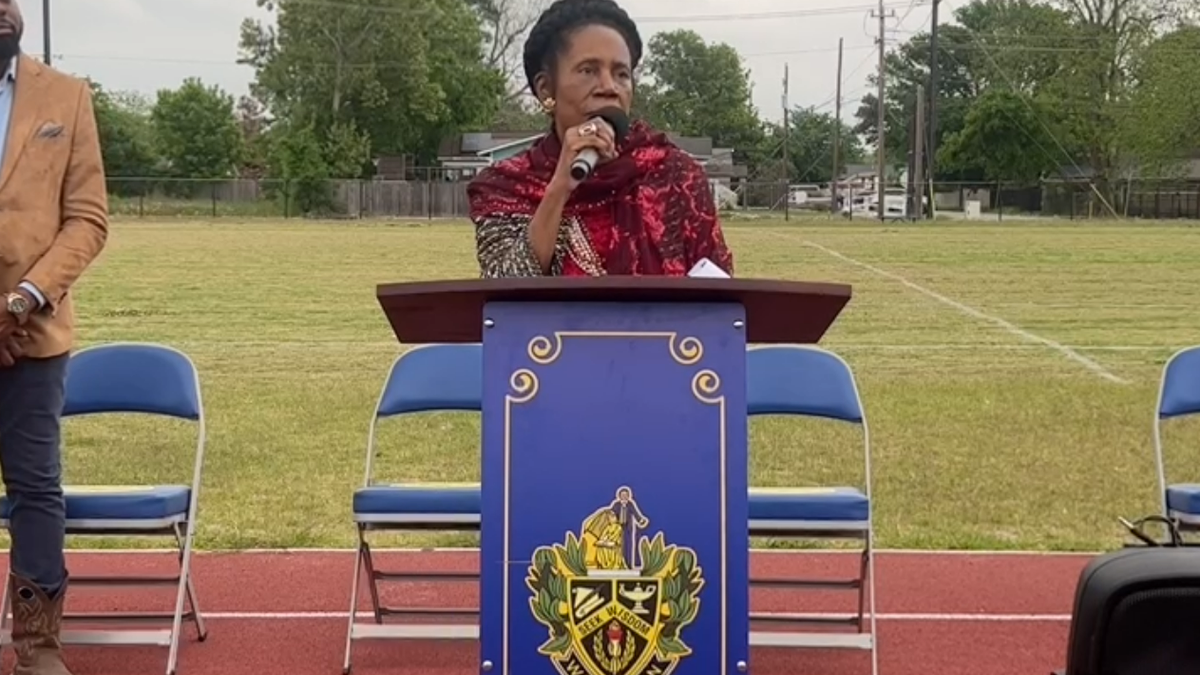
{"x": 212, "y": 193}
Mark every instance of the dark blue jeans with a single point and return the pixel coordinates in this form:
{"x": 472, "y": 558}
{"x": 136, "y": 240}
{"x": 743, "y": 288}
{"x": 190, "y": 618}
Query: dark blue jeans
{"x": 31, "y": 403}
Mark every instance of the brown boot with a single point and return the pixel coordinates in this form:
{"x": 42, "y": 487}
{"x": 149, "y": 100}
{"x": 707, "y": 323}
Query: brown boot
{"x": 35, "y": 633}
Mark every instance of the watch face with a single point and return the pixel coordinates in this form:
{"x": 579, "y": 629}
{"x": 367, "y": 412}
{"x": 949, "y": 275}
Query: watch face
{"x": 17, "y": 304}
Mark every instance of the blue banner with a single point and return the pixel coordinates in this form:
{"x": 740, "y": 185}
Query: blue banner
{"x": 614, "y": 490}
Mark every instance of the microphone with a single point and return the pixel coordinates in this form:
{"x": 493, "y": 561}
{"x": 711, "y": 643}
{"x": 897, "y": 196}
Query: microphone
{"x": 585, "y": 163}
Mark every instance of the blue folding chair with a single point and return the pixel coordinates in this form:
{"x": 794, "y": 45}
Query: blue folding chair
{"x": 812, "y": 382}
{"x": 1178, "y": 397}
{"x": 427, "y": 378}
{"x": 135, "y": 379}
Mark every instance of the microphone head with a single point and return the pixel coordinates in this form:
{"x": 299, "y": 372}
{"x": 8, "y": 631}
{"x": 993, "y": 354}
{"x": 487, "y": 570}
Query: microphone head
{"x": 617, "y": 119}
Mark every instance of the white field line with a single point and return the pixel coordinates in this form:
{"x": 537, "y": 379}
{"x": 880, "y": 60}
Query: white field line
{"x": 882, "y": 616}
{"x": 971, "y": 311}
{"x": 998, "y": 347}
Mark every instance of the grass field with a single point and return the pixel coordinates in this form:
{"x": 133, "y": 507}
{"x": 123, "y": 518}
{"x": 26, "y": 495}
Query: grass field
{"x": 1009, "y": 372}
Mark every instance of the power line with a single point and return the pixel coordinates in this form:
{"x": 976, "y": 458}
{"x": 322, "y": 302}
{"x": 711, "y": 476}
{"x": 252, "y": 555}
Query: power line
{"x": 869, "y": 49}
{"x": 1009, "y": 37}
{"x": 787, "y": 14}
{"x": 226, "y": 62}
{"x": 408, "y": 11}
{"x": 814, "y": 50}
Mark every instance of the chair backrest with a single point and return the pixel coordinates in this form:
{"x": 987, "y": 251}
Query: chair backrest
{"x": 132, "y": 378}
{"x": 145, "y": 378}
{"x": 428, "y": 378}
{"x": 431, "y": 378}
{"x": 1178, "y": 396}
{"x": 801, "y": 380}
{"x": 1179, "y": 392}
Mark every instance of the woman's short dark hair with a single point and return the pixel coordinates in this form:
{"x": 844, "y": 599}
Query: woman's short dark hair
{"x": 550, "y": 34}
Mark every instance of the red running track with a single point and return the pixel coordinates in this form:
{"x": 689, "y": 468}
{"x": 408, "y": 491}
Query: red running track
{"x": 285, "y": 613}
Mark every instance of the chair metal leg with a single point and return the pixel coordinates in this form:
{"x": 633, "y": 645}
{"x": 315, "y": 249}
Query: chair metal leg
{"x": 862, "y": 589}
{"x": 870, "y": 582}
{"x": 201, "y": 631}
{"x": 372, "y": 579}
{"x": 357, "y": 576}
{"x": 182, "y": 594}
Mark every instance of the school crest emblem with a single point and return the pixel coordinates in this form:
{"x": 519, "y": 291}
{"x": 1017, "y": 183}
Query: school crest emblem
{"x": 614, "y": 601}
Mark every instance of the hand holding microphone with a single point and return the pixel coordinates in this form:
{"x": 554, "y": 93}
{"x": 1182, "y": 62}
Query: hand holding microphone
{"x": 584, "y": 146}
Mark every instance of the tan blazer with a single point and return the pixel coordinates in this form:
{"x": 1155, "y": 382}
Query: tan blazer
{"x": 53, "y": 198}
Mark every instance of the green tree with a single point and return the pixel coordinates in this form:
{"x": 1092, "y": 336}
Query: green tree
{"x": 699, "y": 89}
{"x": 810, "y": 148}
{"x": 127, "y": 140}
{"x": 1161, "y": 125}
{"x": 515, "y": 115}
{"x": 1005, "y": 137}
{"x": 505, "y": 24}
{"x": 995, "y": 44}
{"x": 1095, "y": 86}
{"x": 304, "y": 163}
{"x": 298, "y": 159}
{"x": 403, "y": 74}
{"x": 196, "y": 131}
{"x": 906, "y": 67}
{"x": 254, "y": 126}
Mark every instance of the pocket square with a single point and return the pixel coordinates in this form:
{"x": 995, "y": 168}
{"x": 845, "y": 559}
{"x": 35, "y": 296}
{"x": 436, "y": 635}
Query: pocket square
{"x": 50, "y": 130}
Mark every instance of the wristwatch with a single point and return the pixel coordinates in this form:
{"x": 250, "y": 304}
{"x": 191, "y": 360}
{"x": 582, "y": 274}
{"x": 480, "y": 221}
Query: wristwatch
{"x": 16, "y": 304}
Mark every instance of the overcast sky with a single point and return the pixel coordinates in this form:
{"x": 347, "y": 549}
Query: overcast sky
{"x": 173, "y": 39}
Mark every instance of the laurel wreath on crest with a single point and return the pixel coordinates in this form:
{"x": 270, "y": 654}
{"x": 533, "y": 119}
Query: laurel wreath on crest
{"x": 674, "y": 566}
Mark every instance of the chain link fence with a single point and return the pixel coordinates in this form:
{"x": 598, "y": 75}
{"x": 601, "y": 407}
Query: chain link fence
{"x": 433, "y": 196}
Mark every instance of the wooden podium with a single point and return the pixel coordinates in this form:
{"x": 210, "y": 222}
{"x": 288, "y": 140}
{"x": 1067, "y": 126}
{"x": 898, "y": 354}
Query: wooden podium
{"x": 614, "y": 462}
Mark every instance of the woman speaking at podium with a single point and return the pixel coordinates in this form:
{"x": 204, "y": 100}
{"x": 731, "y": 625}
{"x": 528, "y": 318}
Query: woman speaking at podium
{"x": 597, "y": 194}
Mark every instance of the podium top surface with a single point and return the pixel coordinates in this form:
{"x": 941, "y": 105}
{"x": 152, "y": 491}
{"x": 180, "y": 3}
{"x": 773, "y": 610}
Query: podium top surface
{"x": 794, "y": 312}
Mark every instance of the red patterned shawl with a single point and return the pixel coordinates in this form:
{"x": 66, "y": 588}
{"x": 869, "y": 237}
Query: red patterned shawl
{"x": 650, "y": 211}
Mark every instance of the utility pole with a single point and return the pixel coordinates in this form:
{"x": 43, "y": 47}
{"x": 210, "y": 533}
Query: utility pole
{"x": 881, "y": 139}
{"x": 787, "y": 140}
{"x": 837, "y": 134}
{"x": 918, "y": 211}
{"x": 46, "y": 30}
{"x": 934, "y": 88}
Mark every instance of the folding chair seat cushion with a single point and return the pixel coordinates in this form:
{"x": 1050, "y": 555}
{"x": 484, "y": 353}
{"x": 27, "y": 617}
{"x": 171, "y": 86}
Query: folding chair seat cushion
{"x": 127, "y": 503}
{"x": 841, "y": 504}
{"x": 1184, "y": 498}
{"x": 418, "y": 499}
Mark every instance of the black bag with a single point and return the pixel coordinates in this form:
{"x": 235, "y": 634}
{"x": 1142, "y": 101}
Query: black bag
{"x": 1137, "y": 610}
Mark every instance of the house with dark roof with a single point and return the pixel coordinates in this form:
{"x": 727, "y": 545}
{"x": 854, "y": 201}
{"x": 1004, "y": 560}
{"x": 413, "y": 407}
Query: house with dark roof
{"x": 1134, "y": 193}
{"x": 461, "y": 156}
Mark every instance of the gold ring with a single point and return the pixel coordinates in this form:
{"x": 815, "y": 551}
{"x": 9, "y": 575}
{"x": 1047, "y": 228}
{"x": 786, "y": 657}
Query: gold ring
{"x": 587, "y": 129}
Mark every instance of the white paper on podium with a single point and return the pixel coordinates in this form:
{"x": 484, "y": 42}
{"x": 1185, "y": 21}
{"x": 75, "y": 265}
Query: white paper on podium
{"x": 707, "y": 269}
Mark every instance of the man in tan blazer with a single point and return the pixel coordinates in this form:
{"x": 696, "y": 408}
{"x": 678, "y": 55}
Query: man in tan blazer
{"x": 53, "y": 224}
